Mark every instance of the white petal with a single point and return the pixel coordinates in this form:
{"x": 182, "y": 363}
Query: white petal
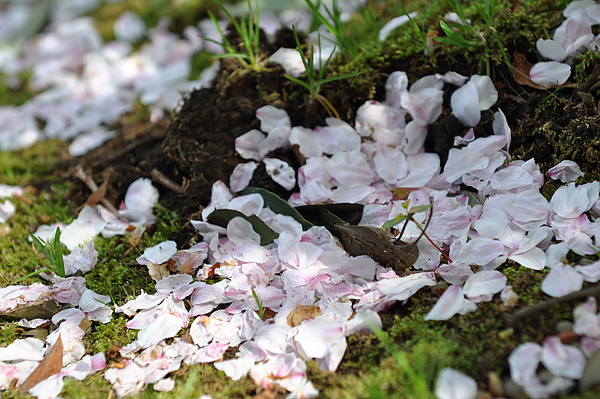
{"x": 551, "y": 49}
{"x": 487, "y": 93}
{"x": 290, "y": 60}
{"x": 501, "y": 128}
{"x": 562, "y": 360}
{"x": 480, "y": 251}
{"x": 393, "y": 24}
{"x": 465, "y": 104}
{"x": 315, "y": 337}
{"x": 450, "y": 303}
{"x": 566, "y": 171}
{"x": 281, "y": 173}
{"x": 165, "y": 326}
{"x": 248, "y": 143}
{"x": 483, "y": 285}
{"x": 452, "y": 384}
{"x": 241, "y": 176}
{"x": 562, "y": 280}
{"x": 551, "y": 73}
{"x": 271, "y": 117}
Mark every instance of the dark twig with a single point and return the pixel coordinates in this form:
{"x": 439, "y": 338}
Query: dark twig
{"x": 89, "y": 181}
{"x": 159, "y": 177}
{"x": 513, "y": 319}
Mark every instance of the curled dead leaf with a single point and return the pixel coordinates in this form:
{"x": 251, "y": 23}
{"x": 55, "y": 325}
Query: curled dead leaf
{"x": 301, "y": 313}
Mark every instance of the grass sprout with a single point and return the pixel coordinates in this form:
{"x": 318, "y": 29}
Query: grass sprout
{"x": 465, "y": 35}
{"x": 416, "y": 373}
{"x": 52, "y": 251}
{"x": 316, "y": 78}
{"x": 249, "y": 31}
{"x": 261, "y": 309}
{"x": 333, "y": 22}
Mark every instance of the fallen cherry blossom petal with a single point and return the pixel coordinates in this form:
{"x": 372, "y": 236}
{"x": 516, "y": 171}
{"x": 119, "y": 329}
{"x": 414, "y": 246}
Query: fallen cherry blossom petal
{"x": 562, "y": 280}
{"x": 550, "y": 73}
{"x": 562, "y": 360}
{"x": 566, "y": 171}
{"x": 450, "y": 303}
{"x": 482, "y": 286}
{"x": 393, "y": 24}
{"x": 452, "y": 384}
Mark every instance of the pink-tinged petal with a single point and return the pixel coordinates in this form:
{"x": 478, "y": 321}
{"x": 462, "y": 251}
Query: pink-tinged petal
{"x": 386, "y": 156}
{"x": 562, "y": 360}
{"x": 455, "y": 273}
{"x": 351, "y": 169}
{"x": 509, "y": 297}
{"x": 589, "y": 346}
{"x": 462, "y": 161}
{"x": 482, "y": 286}
{"x": 315, "y": 337}
{"x": 551, "y": 49}
{"x": 450, "y": 303}
{"x": 480, "y": 251}
{"x": 295, "y": 253}
{"x": 82, "y": 259}
{"x": 573, "y": 33}
{"x": 235, "y": 368}
{"x": 307, "y": 277}
{"x": 338, "y": 136}
{"x": 562, "y": 280}
{"x": 510, "y": 178}
{"x": 551, "y": 73}
{"x": 591, "y": 272}
{"x": 331, "y": 361}
{"x": 571, "y": 201}
{"x": 290, "y": 60}
{"x": 501, "y": 128}
{"x": 248, "y": 143}
{"x": 587, "y": 321}
{"x": 415, "y": 135}
{"x": 452, "y": 384}
{"x": 241, "y": 176}
{"x": 523, "y": 362}
{"x": 281, "y": 173}
{"x": 465, "y": 104}
{"x": 421, "y": 169}
{"x": 271, "y": 117}
{"x": 566, "y": 172}
{"x": 165, "y": 326}
{"x": 393, "y": 24}
{"x": 492, "y": 222}
{"x": 274, "y": 338}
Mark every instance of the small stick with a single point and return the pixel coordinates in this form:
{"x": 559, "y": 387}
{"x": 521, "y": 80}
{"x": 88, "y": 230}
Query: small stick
{"x": 89, "y": 181}
{"x": 513, "y": 319}
{"x": 159, "y": 177}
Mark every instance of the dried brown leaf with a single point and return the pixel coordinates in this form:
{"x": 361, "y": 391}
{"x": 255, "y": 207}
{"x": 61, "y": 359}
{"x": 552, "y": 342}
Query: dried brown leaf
{"x": 51, "y": 365}
{"x": 301, "y": 313}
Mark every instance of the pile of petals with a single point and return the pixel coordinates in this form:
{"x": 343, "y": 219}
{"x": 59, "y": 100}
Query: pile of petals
{"x": 565, "y": 363}
{"x": 80, "y": 307}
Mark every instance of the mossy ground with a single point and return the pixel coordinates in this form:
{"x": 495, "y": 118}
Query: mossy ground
{"x": 405, "y": 363}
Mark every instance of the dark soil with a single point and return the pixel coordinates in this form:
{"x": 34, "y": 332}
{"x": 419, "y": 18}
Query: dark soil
{"x": 195, "y": 147}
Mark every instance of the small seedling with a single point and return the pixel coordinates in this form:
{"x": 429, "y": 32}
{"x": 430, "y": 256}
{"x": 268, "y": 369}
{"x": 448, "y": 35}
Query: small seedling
{"x": 333, "y": 22}
{"x": 316, "y": 78}
{"x": 464, "y": 35}
{"x": 52, "y": 251}
{"x": 249, "y": 31}
{"x": 261, "y": 309}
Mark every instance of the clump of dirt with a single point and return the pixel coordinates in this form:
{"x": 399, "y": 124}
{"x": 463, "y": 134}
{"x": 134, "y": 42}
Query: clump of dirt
{"x": 196, "y": 146}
